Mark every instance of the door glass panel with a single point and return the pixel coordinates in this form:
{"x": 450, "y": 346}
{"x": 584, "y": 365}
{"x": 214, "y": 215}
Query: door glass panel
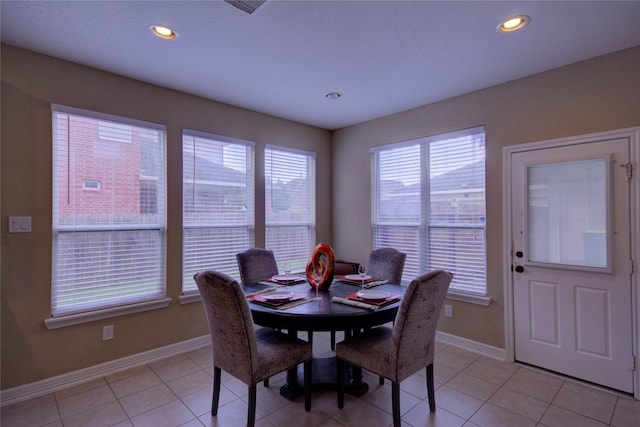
{"x": 567, "y": 213}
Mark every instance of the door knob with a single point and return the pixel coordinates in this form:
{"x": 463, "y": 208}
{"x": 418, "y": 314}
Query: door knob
{"x": 519, "y": 254}
{"x": 519, "y": 269}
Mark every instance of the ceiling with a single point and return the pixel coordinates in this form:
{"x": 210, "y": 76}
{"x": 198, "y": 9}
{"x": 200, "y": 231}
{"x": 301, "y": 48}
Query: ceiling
{"x": 382, "y": 56}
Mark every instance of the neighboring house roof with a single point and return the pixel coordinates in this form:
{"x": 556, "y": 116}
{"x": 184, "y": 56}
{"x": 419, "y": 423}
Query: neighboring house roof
{"x": 213, "y": 172}
{"x": 464, "y": 177}
{"x": 461, "y": 178}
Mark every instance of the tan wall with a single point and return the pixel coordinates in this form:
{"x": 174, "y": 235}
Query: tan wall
{"x": 30, "y": 83}
{"x": 592, "y": 96}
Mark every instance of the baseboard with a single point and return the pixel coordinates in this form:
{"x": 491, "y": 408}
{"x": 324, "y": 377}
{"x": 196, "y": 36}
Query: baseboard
{"x": 53, "y": 384}
{"x": 474, "y": 346}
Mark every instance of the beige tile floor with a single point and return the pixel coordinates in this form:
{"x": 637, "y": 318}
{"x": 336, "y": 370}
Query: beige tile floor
{"x": 471, "y": 390}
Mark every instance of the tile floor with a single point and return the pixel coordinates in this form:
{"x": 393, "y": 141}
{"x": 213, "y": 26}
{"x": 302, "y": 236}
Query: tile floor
{"x": 471, "y": 390}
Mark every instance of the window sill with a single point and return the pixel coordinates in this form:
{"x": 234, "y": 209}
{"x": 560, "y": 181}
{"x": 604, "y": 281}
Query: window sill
{"x": 470, "y": 298}
{"x": 77, "y": 319}
{"x": 189, "y": 298}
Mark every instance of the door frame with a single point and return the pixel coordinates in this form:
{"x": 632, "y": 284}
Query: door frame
{"x": 634, "y": 137}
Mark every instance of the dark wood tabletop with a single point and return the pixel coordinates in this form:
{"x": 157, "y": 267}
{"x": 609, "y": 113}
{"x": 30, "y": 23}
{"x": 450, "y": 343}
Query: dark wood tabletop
{"x": 323, "y": 314}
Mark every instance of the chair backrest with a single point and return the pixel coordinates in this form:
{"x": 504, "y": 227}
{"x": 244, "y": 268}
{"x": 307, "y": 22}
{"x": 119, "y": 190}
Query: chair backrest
{"x": 256, "y": 264}
{"x": 230, "y": 323}
{"x": 414, "y": 330}
{"x": 386, "y": 264}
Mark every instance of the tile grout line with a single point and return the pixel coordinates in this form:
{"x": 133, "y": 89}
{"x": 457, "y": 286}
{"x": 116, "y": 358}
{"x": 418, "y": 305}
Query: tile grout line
{"x": 562, "y": 384}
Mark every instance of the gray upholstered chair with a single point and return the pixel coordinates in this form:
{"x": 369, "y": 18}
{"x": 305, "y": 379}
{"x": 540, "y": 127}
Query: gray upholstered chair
{"x": 386, "y": 264}
{"x": 256, "y": 264}
{"x": 399, "y": 352}
{"x": 383, "y": 264}
{"x": 251, "y": 355}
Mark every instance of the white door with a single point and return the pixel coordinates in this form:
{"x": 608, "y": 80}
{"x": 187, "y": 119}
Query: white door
{"x": 571, "y": 261}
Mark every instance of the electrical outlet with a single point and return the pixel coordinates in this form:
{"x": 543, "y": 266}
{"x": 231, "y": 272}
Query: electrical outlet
{"x": 448, "y": 310}
{"x": 107, "y": 332}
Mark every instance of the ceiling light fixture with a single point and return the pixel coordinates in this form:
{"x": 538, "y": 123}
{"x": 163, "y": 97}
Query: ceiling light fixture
{"x": 514, "y": 23}
{"x": 163, "y": 32}
{"x": 332, "y": 95}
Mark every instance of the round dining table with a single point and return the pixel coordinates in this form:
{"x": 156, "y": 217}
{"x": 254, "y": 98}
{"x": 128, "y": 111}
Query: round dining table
{"x": 323, "y": 314}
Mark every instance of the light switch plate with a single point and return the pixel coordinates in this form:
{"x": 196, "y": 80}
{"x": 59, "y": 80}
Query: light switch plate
{"x": 448, "y": 310}
{"x": 19, "y": 224}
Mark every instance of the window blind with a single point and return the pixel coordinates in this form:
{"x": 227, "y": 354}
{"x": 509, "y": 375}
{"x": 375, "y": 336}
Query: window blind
{"x": 429, "y": 202}
{"x": 108, "y": 237}
{"x": 397, "y": 204}
{"x": 218, "y": 203}
{"x": 290, "y": 205}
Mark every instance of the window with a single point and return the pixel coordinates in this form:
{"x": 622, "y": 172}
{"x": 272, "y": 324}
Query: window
{"x": 289, "y": 205}
{"x": 108, "y": 245}
{"x": 218, "y": 204}
{"x": 429, "y": 202}
{"x": 91, "y": 184}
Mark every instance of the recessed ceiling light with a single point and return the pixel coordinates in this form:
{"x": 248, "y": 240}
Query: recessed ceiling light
{"x": 332, "y": 95}
{"x": 514, "y": 23}
{"x": 163, "y": 32}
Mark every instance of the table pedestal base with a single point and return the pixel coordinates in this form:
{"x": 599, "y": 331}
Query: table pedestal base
{"x": 323, "y": 377}
{"x": 291, "y": 391}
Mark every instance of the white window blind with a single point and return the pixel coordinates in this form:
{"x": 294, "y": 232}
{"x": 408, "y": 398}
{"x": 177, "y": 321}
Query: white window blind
{"x": 290, "y": 205}
{"x": 429, "y": 202}
{"x": 218, "y": 203}
{"x": 108, "y": 239}
{"x": 397, "y": 204}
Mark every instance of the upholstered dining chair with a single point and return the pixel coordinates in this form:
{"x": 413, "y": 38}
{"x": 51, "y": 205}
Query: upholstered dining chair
{"x": 386, "y": 264}
{"x": 249, "y": 354}
{"x": 256, "y": 264}
{"x": 399, "y": 352}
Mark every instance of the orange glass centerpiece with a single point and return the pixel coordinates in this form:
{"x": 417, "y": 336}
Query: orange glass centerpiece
{"x": 321, "y": 267}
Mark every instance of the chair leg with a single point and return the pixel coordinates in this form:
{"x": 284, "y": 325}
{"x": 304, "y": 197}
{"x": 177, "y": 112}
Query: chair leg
{"x": 251, "y": 411}
{"x": 216, "y": 391}
{"x": 430, "y": 389}
{"x": 307, "y": 385}
{"x": 340, "y": 386}
{"x": 395, "y": 403}
{"x": 333, "y": 340}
